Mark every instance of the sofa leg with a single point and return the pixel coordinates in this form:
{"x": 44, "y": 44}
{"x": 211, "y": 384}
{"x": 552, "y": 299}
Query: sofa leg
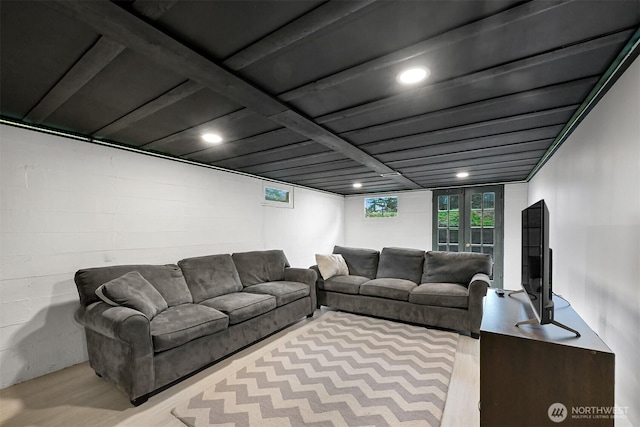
{"x": 98, "y": 374}
{"x": 140, "y": 400}
{"x": 309, "y": 316}
{"x": 475, "y": 335}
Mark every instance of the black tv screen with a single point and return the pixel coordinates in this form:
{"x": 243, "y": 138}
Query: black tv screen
{"x": 536, "y": 260}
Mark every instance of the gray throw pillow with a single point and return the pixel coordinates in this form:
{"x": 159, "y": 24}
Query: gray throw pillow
{"x": 133, "y": 291}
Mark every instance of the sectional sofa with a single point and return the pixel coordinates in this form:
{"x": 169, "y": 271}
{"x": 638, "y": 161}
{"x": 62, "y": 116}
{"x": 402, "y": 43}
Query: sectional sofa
{"x": 148, "y": 326}
{"x": 442, "y": 289}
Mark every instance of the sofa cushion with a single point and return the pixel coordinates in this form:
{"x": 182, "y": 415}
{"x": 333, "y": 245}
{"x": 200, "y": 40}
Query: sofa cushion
{"x": 260, "y": 266}
{"x": 210, "y": 276}
{"x": 343, "y": 284}
{"x": 241, "y": 306}
{"x": 398, "y": 289}
{"x": 454, "y": 267}
{"x": 441, "y": 295}
{"x": 285, "y": 292}
{"x": 167, "y": 279}
{"x": 331, "y": 265}
{"x": 133, "y": 291}
{"x": 361, "y": 262}
{"x": 400, "y": 263}
{"x": 183, "y": 323}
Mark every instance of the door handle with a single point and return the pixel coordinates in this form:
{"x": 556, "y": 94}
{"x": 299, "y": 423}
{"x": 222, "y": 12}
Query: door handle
{"x": 467, "y": 245}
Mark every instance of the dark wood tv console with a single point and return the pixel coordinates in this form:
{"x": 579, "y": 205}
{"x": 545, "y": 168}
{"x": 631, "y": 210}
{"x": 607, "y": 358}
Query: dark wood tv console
{"x": 534, "y": 373}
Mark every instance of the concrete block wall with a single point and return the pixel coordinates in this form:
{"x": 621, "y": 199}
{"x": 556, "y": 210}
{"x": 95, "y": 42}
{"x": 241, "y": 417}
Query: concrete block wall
{"x": 67, "y": 204}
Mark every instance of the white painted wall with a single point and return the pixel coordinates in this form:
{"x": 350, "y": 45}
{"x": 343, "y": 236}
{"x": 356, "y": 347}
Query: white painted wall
{"x": 412, "y": 227}
{"x": 592, "y": 188}
{"x": 66, "y": 205}
{"x": 515, "y": 200}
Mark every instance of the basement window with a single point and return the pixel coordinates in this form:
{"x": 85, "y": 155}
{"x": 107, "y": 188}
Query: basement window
{"x": 381, "y": 207}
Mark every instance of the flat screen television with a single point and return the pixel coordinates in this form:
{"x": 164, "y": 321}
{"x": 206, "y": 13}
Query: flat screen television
{"x": 537, "y": 265}
{"x": 536, "y": 261}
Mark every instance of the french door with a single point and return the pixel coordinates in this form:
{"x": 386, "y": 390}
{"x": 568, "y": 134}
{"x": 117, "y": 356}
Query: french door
{"x": 470, "y": 220}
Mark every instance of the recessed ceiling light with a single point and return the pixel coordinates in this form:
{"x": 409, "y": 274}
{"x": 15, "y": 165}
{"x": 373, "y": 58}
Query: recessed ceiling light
{"x": 212, "y": 137}
{"x": 357, "y": 185}
{"x": 462, "y": 174}
{"x": 413, "y": 75}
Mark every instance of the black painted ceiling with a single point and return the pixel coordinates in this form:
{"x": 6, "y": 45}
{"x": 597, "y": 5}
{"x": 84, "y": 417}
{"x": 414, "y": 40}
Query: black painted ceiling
{"x": 305, "y": 91}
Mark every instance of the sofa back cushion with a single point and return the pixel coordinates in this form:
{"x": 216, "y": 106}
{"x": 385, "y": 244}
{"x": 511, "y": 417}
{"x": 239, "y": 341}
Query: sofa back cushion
{"x": 361, "y": 262}
{"x": 454, "y": 267}
{"x": 210, "y": 276}
{"x": 133, "y": 291}
{"x": 401, "y": 263}
{"x": 260, "y": 266}
{"x": 167, "y": 279}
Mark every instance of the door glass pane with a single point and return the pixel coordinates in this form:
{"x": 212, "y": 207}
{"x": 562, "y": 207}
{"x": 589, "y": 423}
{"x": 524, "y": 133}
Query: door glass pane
{"x": 476, "y": 218}
{"x": 487, "y": 250}
{"x": 443, "y": 204}
{"x": 489, "y": 200}
{"x": 487, "y": 236}
{"x": 442, "y": 248}
{"x": 442, "y": 235}
{"x": 454, "y": 202}
{"x": 477, "y": 249}
{"x": 454, "y": 219}
{"x": 453, "y": 248}
{"x": 476, "y": 236}
{"x": 453, "y": 236}
{"x": 476, "y": 201}
{"x": 489, "y": 218}
{"x": 443, "y": 219}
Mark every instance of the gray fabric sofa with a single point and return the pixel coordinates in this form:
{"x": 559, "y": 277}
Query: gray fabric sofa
{"x": 441, "y": 289}
{"x": 215, "y": 305}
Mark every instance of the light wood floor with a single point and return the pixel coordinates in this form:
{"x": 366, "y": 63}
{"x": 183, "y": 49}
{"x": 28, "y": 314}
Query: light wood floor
{"x": 75, "y": 396}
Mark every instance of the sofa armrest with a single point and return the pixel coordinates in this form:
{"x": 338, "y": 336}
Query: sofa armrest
{"x": 478, "y": 286}
{"x": 120, "y": 323}
{"x": 308, "y": 277}
{"x": 120, "y": 347}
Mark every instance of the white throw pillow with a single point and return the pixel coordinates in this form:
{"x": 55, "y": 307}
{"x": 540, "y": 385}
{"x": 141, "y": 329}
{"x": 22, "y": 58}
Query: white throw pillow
{"x": 332, "y": 265}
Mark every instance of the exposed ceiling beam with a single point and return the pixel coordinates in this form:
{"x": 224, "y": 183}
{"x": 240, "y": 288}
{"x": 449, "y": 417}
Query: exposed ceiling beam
{"x": 502, "y": 102}
{"x": 193, "y": 131}
{"x": 457, "y": 35}
{"x": 209, "y": 154}
{"x": 477, "y": 77}
{"x": 317, "y": 133}
{"x": 87, "y": 67}
{"x": 538, "y": 147}
{"x": 314, "y": 21}
{"x": 322, "y": 16}
{"x": 91, "y": 63}
{"x": 118, "y": 24}
{"x": 174, "y": 95}
{"x": 444, "y": 136}
{"x": 462, "y": 145}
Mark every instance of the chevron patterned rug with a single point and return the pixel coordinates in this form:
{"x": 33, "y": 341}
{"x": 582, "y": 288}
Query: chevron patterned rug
{"x": 341, "y": 370}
